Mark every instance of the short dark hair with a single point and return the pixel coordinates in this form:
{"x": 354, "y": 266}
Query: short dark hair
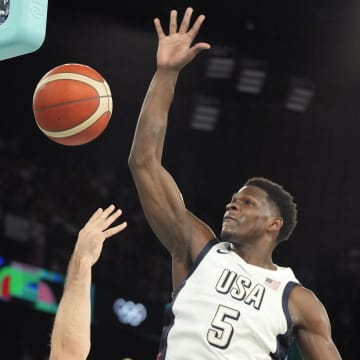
{"x": 284, "y": 202}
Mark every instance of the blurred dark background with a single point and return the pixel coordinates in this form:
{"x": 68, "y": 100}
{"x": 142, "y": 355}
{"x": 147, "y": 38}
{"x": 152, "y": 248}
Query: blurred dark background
{"x": 276, "y": 96}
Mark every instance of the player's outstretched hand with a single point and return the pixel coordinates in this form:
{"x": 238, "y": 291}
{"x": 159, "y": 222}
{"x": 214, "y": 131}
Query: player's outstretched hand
{"x": 175, "y": 50}
{"x": 98, "y": 228}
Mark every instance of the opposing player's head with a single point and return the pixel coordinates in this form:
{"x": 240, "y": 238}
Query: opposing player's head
{"x": 260, "y": 207}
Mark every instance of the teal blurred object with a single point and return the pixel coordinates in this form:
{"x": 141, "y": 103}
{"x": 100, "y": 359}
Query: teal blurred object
{"x": 22, "y": 26}
{"x": 294, "y": 353}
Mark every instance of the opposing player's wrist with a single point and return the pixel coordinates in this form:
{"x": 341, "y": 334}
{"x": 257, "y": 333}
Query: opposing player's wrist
{"x": 82, "y": 260}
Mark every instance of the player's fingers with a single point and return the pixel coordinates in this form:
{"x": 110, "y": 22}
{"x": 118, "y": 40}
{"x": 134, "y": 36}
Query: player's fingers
{"x": 173, "y": 22}
{"x": 199, "y": 47}
{"x": 114, "y": 230}
{"x": 196, "y": 26}
{"x": 186, "y": 21}
{"x": 159, "y": 29}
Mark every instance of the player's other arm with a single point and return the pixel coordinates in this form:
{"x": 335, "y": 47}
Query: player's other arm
{"x": 161, "y": 200}
{"x": 312, "y": 326}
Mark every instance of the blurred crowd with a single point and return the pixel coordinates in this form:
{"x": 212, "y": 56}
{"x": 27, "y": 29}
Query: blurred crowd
{"x": 43, "y": 208}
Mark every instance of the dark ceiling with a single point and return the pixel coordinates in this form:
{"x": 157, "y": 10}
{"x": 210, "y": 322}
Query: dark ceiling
{"x": 314, "y": 154}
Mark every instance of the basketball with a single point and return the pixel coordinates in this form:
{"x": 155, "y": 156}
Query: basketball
{"x": 72, "y": 104}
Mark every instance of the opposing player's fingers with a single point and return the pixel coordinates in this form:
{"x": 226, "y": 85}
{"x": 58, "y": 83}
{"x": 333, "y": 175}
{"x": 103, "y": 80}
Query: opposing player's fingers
{"x": 108, "y": 211}
{"x": 115, "y": 229}
{"x": 94, "y": 216}
{"x": 186, "y": 21}
{"x": 102, "y": 219}
{"x": 111, "y": 218}
{"x": 173, "y": 22}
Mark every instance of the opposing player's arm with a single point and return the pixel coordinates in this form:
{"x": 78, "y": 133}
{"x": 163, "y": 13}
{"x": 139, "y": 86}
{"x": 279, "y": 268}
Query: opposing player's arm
{"x": 312, "y": 326}
{"x": 70, "y": 336}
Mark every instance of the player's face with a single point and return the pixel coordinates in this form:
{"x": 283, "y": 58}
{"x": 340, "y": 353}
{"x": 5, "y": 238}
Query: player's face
{"x": 247, "y": 216}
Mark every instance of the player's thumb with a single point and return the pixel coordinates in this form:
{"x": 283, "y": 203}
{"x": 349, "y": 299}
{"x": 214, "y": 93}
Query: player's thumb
{"x": 200, "y": 47}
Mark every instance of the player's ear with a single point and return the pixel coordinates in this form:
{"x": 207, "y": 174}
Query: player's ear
{"x": 276, "y": 223}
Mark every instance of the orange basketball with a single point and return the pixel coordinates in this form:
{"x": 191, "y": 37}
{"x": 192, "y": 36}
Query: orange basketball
{"x": 72, "y": 104}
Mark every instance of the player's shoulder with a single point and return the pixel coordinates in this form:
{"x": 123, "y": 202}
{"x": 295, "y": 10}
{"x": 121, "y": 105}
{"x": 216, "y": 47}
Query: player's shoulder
{"x": 305, "y": 306}
{"x": 303, "y": 296}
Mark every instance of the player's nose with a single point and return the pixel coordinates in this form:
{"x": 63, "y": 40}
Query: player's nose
{"x": 231, "y": 206}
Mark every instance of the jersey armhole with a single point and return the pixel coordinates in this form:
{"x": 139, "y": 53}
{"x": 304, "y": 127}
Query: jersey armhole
{"x": 285, "y": 304}
{"x": 196, "y": 263}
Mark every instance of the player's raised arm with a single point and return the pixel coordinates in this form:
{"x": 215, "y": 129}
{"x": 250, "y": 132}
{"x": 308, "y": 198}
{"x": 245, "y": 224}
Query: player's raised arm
{"x": 159, "y": 195}
{"x": 70, "y": 337}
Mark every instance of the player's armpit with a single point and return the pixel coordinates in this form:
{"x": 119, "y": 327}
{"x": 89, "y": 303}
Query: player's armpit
{"x": 182, "y": 233}
{"x": 311, "y": 326}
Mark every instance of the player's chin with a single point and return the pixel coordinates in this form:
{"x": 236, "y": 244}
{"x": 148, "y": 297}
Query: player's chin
{"x": 225, "y": 234}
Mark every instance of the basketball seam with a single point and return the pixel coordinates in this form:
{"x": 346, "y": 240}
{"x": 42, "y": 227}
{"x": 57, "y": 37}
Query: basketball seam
{"x": 103, "y": 108}
{"x": 70, "y": 102}
{"x": 100, "y": 86}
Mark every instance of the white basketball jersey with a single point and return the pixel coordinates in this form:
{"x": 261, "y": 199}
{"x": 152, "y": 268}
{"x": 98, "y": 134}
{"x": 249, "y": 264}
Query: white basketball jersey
{"x": 229, "y": 309}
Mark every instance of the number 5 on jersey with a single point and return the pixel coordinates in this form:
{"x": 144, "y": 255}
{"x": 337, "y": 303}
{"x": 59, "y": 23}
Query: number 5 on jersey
{"x": 222, "y": 330}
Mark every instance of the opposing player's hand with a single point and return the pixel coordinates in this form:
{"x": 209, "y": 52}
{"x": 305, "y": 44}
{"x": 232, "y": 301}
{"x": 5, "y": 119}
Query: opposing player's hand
{"x": 175, "y": 50}
{"x": 98, "y": 228}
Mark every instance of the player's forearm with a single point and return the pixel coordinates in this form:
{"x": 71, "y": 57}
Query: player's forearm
{"x": 71, "y": 332}
{"x": 322, "y": 350}
{"x": 152, "y": 123}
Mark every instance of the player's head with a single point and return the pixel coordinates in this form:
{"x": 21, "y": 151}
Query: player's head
{"x": 282, "y": 200}
{"x": 260, "y": 206}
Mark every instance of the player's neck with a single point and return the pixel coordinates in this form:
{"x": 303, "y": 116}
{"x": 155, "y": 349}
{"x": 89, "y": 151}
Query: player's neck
{"x": 255, "y": 254}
